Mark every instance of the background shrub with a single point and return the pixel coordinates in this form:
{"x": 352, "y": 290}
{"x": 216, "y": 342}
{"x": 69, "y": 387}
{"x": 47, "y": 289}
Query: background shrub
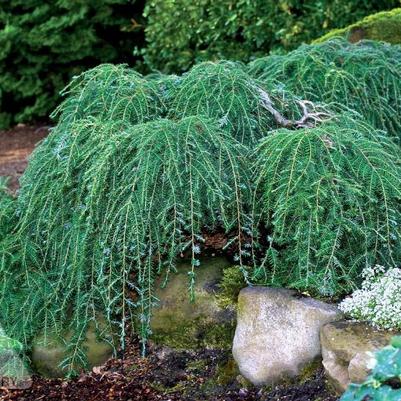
{"x": 384, "y": 26}
{"x": 44, "y": 43}
{"x": 180, "y": 33}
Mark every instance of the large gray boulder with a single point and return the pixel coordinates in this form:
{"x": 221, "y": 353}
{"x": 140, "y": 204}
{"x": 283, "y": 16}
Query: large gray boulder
{"x": 13, "y": 372}
{"x": 348, "y": 351}
{"x": 277, "y": 333}
{"x": 181, "y": 324}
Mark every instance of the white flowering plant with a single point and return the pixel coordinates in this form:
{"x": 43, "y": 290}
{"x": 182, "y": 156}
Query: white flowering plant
{"x": 379, "y": 299}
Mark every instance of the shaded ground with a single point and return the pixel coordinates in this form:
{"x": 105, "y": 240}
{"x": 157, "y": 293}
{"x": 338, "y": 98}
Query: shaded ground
{"x": 15, "y": 147}
{"x": 164, "y": 375}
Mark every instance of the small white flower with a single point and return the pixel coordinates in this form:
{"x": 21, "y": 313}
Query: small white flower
{"x": 379, "y": 299}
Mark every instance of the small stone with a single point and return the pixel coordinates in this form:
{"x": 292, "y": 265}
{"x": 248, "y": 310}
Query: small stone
{"x": 348, "y": 349}
{"x": 360, "y": 366}
{"x": 277, "y": 333}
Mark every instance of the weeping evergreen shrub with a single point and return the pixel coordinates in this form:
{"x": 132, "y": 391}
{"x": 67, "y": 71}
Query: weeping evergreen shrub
{"x": 139, "y": 170}
{"x": 8, "y": 222}
{"x": 9, "y": 253}
{"x": 113, "y": 209}
{"x": 6, "y": 209}
{"x": 243, "y": 106}
{"x": 225, "y": 92}
{"x": 365, "y": 77}
{"x": 329, "y": 198}
{"x": 109, "y": 92}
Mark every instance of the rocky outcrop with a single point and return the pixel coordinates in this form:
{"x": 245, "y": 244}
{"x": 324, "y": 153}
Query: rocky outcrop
{"x": 348, "y": 351}
{"x": 181, "y": 324}
{"x": 277, "y": 333}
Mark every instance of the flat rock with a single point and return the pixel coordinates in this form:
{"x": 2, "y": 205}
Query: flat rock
{"x": 181, "y": 324}
{"x": 277, "y": 333}
{"x": 348, "y": 351}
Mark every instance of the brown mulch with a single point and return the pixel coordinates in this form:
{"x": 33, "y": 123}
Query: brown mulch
{"x": 164, "y": 375}
{"x": 15, "y": 147}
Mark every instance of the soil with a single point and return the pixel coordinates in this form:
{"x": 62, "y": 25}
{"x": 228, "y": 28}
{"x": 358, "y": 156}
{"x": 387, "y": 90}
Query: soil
{"x": 164, "y": 375}
{"x": 15, "y": 147}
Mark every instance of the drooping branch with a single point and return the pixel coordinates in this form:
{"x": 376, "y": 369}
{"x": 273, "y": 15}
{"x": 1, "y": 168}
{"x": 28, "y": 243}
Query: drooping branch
{"x": 310, "y": 118}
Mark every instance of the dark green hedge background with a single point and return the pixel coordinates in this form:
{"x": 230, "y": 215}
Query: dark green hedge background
{"x": 182, "y": 32}
{"x": 43, "y": 43}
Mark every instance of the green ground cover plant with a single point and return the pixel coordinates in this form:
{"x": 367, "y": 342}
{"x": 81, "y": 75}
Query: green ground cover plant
{"x": 383, "y": 384}
{"x": 181, "y": 33}
{"x": 365, "y": 77}
{"x": 139, "y": 169}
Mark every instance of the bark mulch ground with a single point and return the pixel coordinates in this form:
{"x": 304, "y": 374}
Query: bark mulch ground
{"x": 164, "y": 375}
{"x": 15, "y": 147}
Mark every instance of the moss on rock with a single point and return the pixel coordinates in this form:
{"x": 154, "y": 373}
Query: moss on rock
{"x": 180, "y": 324}
{"x": 227, "y": 373}
{"x": 384, "y": 26}
{"x": 309, "y": 370}
{"x": 231, "y": 284}
{"x": 200, "y": 333}
{"x": 49, "y": 351}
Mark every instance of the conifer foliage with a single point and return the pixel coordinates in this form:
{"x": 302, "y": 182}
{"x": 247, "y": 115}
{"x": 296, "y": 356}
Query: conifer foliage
{"x": 130, "y": 199}
{"x": 225, "y": 92}
{"x": 139, "y": 169}
{"x": 329, "y": 196}
{"x": 6, "y": 209}
{"x": 44, "y": 43}
{"x": 365, "y": 77}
